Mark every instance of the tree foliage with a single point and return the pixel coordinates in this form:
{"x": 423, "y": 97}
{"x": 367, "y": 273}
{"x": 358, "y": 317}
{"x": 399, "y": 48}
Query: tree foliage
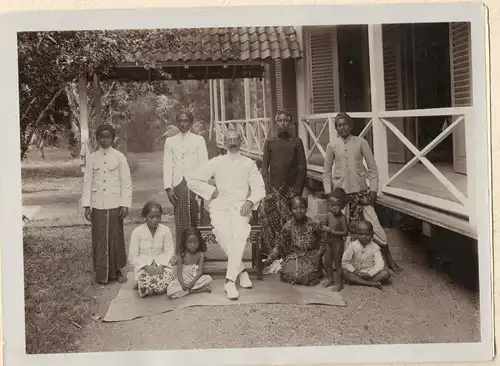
{"x": 49, "y": 60}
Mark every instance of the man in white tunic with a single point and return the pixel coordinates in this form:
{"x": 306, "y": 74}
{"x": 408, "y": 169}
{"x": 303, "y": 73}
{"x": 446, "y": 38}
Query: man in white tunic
{"x": 239, "y": 189}
{"x": 185, "y": 152}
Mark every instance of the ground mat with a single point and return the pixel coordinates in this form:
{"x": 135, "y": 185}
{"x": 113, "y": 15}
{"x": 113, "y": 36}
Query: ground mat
{"x": 128, "y": 305}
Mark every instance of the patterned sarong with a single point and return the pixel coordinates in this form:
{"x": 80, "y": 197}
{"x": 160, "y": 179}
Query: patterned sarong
{"x": 356, "y": 202}
{"x": 153, "y": 281}
{"x": 108, "y": 244}
{"x": 302, "y": 268}
{"x": 186, "y": 211}
{"x": 273, "y": 214}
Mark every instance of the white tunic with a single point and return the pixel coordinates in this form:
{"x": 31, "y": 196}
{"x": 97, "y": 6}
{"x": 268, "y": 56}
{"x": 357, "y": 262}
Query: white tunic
{"x": 236, "y": 177}
{"x": 183, "y": 153}
{"x": 107, "y": 183}
{"x": 144, "y": 248}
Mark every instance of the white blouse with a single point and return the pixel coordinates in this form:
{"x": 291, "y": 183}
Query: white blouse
{"x": 144, "y": 247}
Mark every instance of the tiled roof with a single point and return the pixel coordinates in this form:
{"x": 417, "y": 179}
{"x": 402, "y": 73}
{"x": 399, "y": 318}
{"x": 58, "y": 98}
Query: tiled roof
{"x": 241, "y": 43}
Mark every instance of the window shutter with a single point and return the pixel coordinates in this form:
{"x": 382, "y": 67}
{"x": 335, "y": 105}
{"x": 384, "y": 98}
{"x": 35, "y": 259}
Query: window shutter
{"x": 461, "y": 81}
{"x": 279, "y": 84}
{"x": 323, "y": 70}
{"x": 393, "y": 88}
{"x": 392, "y": 67}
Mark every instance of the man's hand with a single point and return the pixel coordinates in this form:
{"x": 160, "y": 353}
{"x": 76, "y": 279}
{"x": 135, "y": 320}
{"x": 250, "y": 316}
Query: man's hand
{"x": 246, "y": 208}
{"x": 373, "y": 198}
{"x": 123, "y": 212}
{"x": 88, "y": 214}
{"x": 172, "y": 197}
{"x": 215, "y": 194}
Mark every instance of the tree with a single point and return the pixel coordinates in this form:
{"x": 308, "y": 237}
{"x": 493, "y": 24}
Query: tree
{"x": 49, "y": 60}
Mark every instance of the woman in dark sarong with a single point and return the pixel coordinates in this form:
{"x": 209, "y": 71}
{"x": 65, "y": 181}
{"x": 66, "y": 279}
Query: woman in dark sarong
{"x": 284, "y": 171}
{"x": 301, "y": 244}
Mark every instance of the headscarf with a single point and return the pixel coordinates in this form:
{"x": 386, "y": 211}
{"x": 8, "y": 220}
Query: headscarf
{"x": 285, "y": 112}
{"x": 342, "y": 115}
{"x": 187, "y": 112}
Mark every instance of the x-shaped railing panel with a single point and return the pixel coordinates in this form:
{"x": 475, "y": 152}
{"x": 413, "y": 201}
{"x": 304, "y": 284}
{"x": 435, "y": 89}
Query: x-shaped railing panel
{"x": 420, "y": 156}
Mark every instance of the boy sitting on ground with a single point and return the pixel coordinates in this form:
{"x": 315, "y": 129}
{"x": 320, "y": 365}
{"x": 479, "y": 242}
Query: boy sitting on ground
{"x": 362, "y": 262}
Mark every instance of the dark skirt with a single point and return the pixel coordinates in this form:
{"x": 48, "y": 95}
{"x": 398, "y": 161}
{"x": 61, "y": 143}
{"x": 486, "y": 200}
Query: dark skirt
{"x": 108, "y": 244}
{"x": 273, "y": 214}
{"x": 186, "y": 210}
{"x": 302, "y": 268}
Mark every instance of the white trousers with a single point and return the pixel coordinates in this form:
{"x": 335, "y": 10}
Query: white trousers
{"x": 231, "y": 231}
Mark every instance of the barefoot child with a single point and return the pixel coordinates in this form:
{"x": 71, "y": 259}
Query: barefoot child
{"x": 362, "y": 262}
{"x": 107, "y": 197}
{"x": 338, "y": 229}
{"x": 190, "y": 261}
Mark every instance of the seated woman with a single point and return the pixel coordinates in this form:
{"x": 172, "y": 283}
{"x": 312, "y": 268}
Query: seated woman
{"x": 190, "y": 263}
{"x": 301, "y": 245}
{"x": 151, "y": 249}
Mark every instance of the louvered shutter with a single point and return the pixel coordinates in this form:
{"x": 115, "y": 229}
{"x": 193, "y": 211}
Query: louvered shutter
{"x": 461, "y": 87}
{"x": 393, "y": 88}
{"x": 323, "y": 70}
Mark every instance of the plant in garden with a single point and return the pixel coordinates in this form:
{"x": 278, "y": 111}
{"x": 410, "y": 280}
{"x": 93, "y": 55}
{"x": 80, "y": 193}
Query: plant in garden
{"x": 49, "y": 60}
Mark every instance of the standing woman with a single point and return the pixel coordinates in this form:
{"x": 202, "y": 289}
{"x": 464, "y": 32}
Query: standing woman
{"x": 284, "y": 171}
{"x": 347, "y": 154}
{"x": 107, "y": 197}
{"x": 184, "y": 152}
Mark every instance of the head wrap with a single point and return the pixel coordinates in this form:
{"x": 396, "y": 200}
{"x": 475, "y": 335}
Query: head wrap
{"x": 285, "y": 112}
{"x": 187, "y": 112}
{"x": 344, "y": 116}
{"x": 105, "y": 127}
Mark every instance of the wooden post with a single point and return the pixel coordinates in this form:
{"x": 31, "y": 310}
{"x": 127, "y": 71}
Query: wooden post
{"x": 377, "y": 89}
{"x": 264, "y": 97}
{"x": 97, "y": 100}
{"x": 211, "y": 110}
{"x": 84, "y": 121}
{"x": 301, "y": 82}
{"x": 216, "y": 101}
{"x": 222, "y": 100}
{"x": 248, "y": 106}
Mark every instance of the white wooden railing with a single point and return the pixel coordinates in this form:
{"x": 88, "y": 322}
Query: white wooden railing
{"x": 465, "y": 203}
{"x": 254, "y": 133}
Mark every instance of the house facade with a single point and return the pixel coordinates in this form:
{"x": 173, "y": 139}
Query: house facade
{"x": 408, "y": 88}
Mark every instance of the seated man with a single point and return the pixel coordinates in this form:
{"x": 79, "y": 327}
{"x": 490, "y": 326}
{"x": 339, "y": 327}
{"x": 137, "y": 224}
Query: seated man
{"x": 231, "y": 204}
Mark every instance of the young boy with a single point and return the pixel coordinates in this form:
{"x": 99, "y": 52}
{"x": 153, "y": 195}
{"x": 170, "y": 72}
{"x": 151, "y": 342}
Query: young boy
{"x": 107, "y": 197}
{"x": 337, "y": 230}
{"x": 362, "y": 262}
{"x": 184, "y": 153}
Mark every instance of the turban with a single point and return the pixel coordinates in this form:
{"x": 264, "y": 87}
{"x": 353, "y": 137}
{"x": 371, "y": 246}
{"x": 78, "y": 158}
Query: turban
{"x": 105, "y": 127}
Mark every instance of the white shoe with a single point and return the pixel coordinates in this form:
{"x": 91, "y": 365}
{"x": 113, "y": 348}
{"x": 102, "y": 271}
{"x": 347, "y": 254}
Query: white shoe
{"x": 231, "y": 291}
{"x": 245, "y": 280}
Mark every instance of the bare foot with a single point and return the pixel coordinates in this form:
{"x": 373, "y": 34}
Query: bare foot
{"x": 337, "y": 287}
{"x": 377, "y": 285}
{"x": 397, "y": 269}
{"x": 328, "y": 283}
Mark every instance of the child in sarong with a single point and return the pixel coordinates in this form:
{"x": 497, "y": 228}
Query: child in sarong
{"x": 190, "y": 263}
{"x": 150, "y": 253}
{"x": 362, "y": 262}
{"x": 338, "y": 230}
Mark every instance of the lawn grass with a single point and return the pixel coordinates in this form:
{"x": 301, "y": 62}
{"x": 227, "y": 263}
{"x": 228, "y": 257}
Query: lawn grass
{"x": 57, "y": 274}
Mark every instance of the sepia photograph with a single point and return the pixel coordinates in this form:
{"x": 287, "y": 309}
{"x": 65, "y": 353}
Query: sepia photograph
{"x": 216, "y": 181}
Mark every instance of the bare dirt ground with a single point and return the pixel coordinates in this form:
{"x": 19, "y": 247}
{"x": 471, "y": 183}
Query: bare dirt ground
{"x": 420, "y": 306}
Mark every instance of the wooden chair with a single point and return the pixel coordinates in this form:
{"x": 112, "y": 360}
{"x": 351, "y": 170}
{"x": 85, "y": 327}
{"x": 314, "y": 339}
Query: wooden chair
{"x": 254, "y": 239}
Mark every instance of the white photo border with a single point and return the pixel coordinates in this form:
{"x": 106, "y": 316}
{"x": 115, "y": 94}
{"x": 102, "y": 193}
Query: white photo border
{"x": 10, "y": 192}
